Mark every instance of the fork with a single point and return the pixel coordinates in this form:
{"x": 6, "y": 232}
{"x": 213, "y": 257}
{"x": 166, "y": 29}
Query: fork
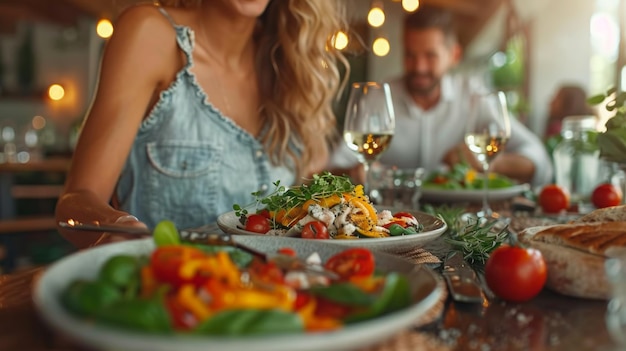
{"x": 205, "y": 237}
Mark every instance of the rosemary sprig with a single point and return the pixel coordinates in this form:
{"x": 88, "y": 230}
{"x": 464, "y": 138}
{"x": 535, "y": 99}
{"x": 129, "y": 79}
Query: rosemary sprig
{"x": 286, "y": 198}
{"x": 474, "y": 238}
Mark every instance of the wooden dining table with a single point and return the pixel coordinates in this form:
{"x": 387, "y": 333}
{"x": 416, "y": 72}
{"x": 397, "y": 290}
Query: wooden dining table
{"x": 549, "y": 321}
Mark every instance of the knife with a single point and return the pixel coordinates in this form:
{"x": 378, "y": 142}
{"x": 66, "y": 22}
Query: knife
{"x": 462, "y": 281}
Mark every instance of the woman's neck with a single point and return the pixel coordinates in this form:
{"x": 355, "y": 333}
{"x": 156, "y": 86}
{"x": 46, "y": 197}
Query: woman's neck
{"x": 227, "y": 36}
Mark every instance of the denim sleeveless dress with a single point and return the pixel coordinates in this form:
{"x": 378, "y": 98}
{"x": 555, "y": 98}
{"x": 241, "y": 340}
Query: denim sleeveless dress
{"x": 189, "y": 163}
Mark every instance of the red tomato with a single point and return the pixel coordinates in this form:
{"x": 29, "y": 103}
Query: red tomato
{"x": 606, "y": 195}
{"x": 167, "y": 260}
{"x": 257, "y": 223}
{"x": 400, "y": 223}
{"x": 181, "y": 318}
{"x": 357, "y": 262}
{"x": 287, "y": 251}
{"x": 553, "y": 199}
{"x": 440, "y": 179}
{"x": 404, "y": 214}
{"x": 330, "y": 309}
{"x": 515, "y": 273}
{"x": 315, "y": 230}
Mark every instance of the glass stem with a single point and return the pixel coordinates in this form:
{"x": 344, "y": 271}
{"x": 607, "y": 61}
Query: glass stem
{"x": 367, "y": 182}
{"x": 486, "y": 208}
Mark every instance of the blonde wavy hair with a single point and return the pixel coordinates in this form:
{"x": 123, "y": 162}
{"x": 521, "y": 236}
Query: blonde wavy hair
{"x": 299, "y": 76}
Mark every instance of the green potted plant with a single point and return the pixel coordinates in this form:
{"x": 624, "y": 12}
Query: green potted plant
{"x": 612, "y": 142}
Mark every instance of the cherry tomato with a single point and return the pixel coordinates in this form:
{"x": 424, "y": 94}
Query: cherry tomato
{"x": 353, "y": 262}
{"x": 404, "y": 215}
{"x": 553, "y": 199}
{"x": 440, "y": 179}
{"x": 606, "y": 195}
{"x": 167, "y": 260}
{"x": 287, "y": 251}
{"x": 181, "y": 318}
{"x": 315, "y": 230}
{"x": 515, "y": 273}
{"x": 400, "y": 223}
{"x": 257, "y": 223}
{"x": 330, "y": 309}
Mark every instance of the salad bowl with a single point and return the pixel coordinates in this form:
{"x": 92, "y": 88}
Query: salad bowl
{"x": 425, "y": 289}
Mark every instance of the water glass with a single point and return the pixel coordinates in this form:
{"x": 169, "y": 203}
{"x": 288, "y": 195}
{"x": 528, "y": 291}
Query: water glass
{"x": 615, "y": 268}
{"x": 397, "y": 188}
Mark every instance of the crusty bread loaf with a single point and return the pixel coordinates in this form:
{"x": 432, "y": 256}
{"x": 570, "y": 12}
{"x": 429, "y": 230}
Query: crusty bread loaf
{"x": 575, "y": 254}
{"x": 607, "y": 214}
{"x": 595, "y": 237}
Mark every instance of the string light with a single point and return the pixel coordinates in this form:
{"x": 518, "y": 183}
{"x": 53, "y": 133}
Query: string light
{"x": 376, "y": 17}
{"x": 410, "y": 5}
{"x": 381, "y": 47}
{"x": 104, "y": 28}
{"x": 340, "y": 40}
{"x": 56, "y": 92}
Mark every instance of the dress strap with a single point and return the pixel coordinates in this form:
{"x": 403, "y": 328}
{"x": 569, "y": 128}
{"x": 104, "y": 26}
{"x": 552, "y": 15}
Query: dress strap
{"x": 166, "y": 14}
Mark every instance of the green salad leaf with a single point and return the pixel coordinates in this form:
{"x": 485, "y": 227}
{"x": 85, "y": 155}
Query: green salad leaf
{"x": 321, "y": 186}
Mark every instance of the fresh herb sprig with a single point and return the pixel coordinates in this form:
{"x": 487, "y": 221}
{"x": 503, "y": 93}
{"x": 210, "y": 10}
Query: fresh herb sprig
{"x": 474, "y": 238}
{"x": 321, "y": 186}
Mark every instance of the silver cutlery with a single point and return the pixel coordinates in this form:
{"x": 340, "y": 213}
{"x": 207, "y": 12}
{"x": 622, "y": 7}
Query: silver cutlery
{"x": 206, "y": 238}
{"x": 461, "y": 279}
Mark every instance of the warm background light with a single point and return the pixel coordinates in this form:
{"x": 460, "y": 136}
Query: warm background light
{"x": 410, "y": 5}
{"x": 56, "y": 92}
{"x": 376, "y": 17}
{"x": 340, "y": 40}
{"x": 104, "y": 28}
{"x": 38, "y": 122}
{"x": 381, "y": 47}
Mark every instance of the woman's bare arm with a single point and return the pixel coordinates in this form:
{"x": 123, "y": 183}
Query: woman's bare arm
{"x": 139, "y": 58}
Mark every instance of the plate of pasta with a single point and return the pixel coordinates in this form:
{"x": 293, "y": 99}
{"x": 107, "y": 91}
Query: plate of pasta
{"x": 331, "y": 209}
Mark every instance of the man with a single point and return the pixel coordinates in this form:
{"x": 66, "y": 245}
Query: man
{"x": 431, "y": 106}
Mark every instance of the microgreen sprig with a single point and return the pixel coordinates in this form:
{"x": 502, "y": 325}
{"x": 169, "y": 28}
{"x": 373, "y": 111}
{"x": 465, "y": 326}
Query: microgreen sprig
{"x": 321, "y": 186}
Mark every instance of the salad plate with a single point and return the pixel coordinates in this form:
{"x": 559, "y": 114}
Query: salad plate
{"x": 426, "y": 291}
{"x": 432, "y": 228}
{"x": 471, "y": 195}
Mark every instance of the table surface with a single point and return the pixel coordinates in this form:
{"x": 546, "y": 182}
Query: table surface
{"x": 548, "y": 322}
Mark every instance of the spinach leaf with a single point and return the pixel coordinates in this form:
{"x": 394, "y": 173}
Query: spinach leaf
{"x": 344, "y": 293}
{"x": 251, "y": 322}
{"x": 396, "y": 295}
{"x": 138, "y": 314}
{"x": 85, "y": 298}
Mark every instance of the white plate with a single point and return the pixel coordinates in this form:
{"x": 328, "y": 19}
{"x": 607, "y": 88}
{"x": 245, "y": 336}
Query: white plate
{"x": 433, "y": 227}
{"x": 85, "y": 264}
{"x": 460, "y": 195}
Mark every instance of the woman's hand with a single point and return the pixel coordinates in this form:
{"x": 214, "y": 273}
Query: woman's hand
{"x": 127, "y": 220}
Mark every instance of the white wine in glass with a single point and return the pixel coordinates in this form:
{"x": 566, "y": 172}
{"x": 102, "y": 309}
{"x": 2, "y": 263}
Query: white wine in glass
{"x": 487, "y": 131}
{"x": 369, "y": 123}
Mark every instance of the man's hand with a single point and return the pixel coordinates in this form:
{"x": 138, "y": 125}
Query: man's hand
{"x": 460, "y": 153}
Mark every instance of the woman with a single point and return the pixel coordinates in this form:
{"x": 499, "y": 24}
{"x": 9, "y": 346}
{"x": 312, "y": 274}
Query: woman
{"x": 199, "y": 104}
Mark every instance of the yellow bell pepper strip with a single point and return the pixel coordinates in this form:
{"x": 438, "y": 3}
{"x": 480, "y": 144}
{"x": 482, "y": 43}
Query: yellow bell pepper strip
{"x": 188, "y": 298}
{"x": 218, "y": 266}
{"x": 370, "y": 284}
{"x": 314, "y": 323}
{"x": 224, "y": 296}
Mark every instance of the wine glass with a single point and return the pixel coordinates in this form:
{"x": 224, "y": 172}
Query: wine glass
{"x": 487, "y": 131}
{"x": 369, "y": 123}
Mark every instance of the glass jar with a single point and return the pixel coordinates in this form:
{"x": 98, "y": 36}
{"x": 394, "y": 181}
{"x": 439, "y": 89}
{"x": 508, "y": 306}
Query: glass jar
{"x": 577, "y": 158}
